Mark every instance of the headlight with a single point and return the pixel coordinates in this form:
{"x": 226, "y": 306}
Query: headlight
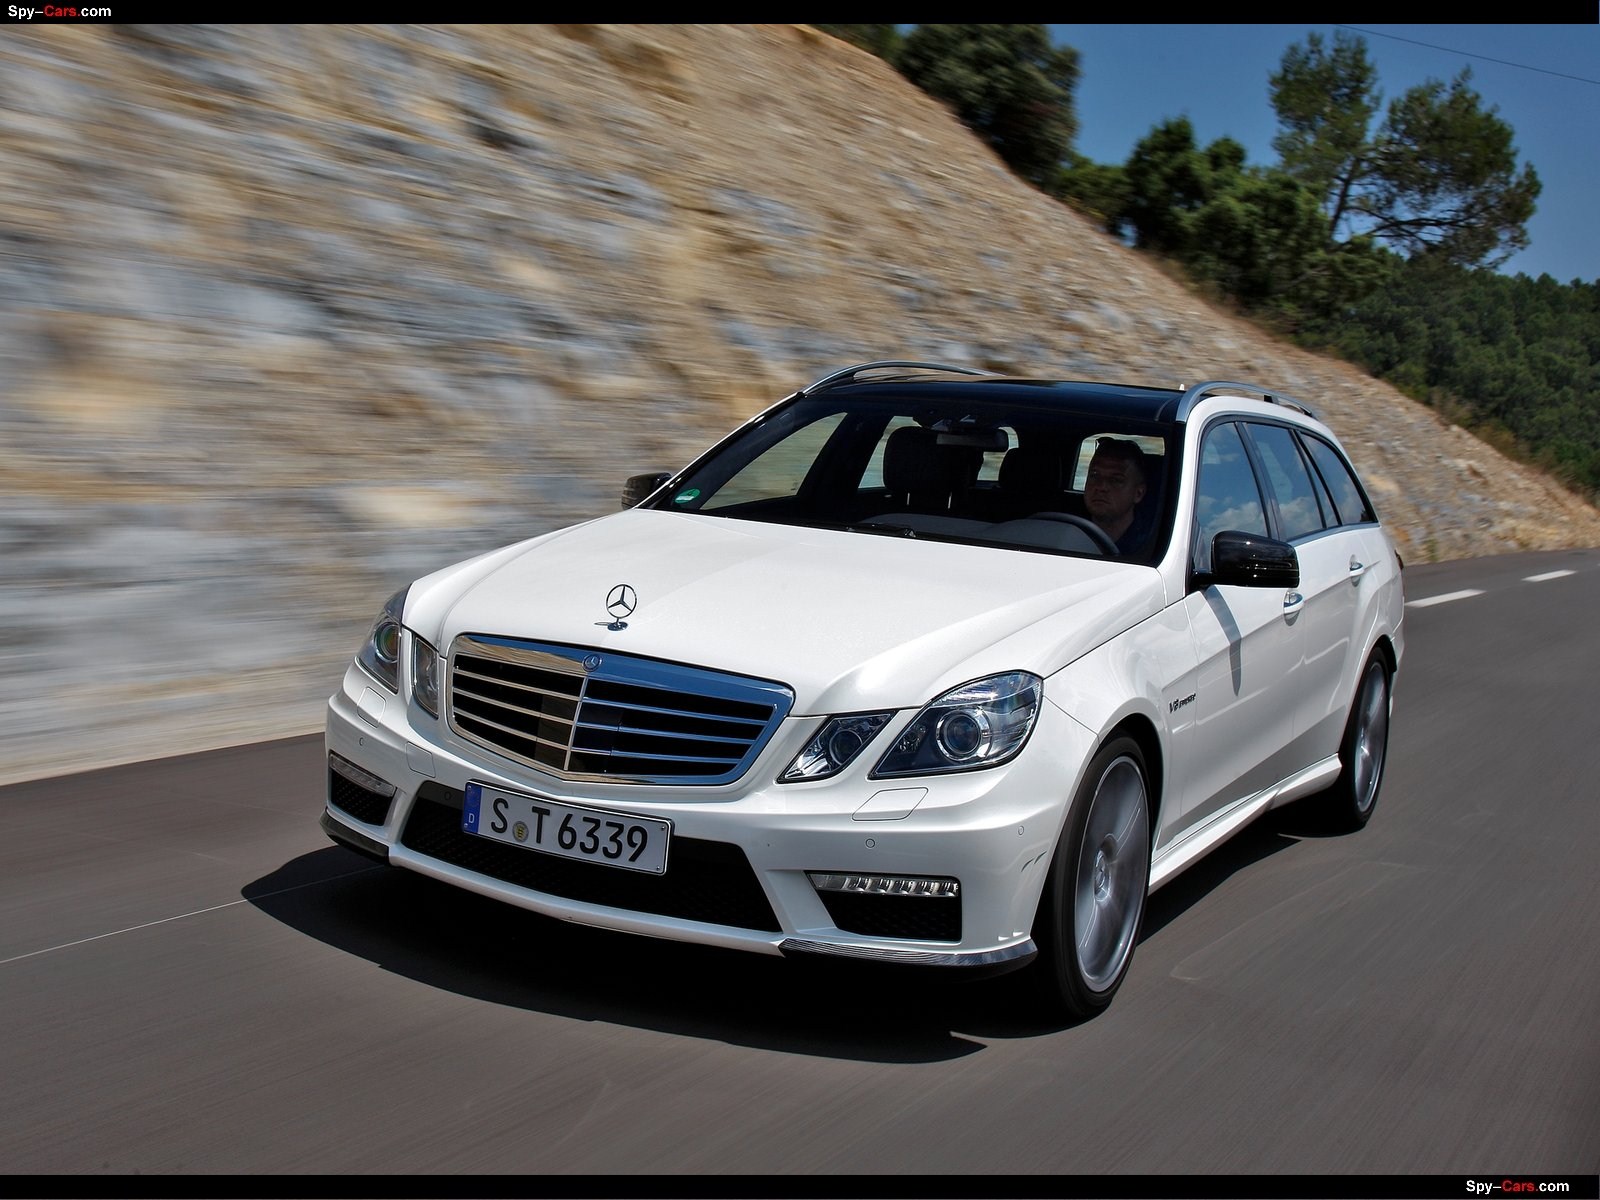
{"x": 381, "y": 653}
{"x": 835, "y": 747}
{"x": 425, "y": 675}
{"x": 979, "y": 724}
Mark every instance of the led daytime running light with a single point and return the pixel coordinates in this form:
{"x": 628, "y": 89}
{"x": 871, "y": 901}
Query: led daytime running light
{"x": 885, "y": 885}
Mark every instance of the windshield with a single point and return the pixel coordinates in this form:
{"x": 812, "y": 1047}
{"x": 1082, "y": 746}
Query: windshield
{"x": 1028, "y": 477}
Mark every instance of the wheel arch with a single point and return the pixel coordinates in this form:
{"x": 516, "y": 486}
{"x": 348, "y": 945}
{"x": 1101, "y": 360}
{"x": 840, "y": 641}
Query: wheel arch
{"x": 1065, "y": 982}
{"x": 1384, "y": 649}
{"x": 1143, "y": 731}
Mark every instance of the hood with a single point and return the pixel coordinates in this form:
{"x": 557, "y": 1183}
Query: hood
{"x": 849, "y": 621}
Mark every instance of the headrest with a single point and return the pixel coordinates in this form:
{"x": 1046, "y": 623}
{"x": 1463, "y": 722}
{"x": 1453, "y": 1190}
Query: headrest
{"x": 913, "y": 462}
{"x": 1030, "y": 471}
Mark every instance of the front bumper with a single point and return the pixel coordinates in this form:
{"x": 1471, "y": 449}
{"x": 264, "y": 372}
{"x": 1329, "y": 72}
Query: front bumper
{"x": 742, "y": 854}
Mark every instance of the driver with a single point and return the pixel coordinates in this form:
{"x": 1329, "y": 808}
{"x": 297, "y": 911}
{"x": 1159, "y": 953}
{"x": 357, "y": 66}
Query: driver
{"x": 1112, "y": 491}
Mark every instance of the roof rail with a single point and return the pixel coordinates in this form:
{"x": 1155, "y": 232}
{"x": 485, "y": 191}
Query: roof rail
{"x": 1212, "y": 387}
{"x": 849, "y": 373}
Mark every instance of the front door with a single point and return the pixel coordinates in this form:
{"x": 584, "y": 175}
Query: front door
{"x": 1247, "y": 644}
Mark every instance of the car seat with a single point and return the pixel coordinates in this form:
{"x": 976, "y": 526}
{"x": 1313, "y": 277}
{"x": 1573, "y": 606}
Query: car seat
{"x": 923, "y": 476}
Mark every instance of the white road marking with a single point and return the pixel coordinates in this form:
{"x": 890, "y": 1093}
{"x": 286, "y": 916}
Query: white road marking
{"x": 1444, "y": 599}
{"x": 199, "y": 912}
{"x": 116, "y": 932}
{"x": 1547, "y": 575}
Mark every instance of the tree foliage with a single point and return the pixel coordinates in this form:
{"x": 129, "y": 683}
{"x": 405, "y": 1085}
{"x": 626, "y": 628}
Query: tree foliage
{"x": 1325, "y": 101}
{"x": 1098, "y": 190}
{"x": 882, "y": 40}
{"x": 1007, "y": 83}
{"x": 1256, "y": 235}
{"x": 1515, "y": 358}
{"x": 1362, "y": 240}
{"x": 1438, "y": 175}
{"x": 1171, "y": 182}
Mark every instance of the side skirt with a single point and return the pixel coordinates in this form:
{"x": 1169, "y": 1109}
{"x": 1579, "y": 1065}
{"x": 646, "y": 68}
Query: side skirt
{"x": 1200, "y": 842}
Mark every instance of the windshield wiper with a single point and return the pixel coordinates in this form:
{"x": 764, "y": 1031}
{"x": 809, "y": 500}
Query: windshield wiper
{"x": 886, "y": 527}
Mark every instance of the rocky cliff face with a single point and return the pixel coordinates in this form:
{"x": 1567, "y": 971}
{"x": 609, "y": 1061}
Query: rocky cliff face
{"x": 291, "y": 315}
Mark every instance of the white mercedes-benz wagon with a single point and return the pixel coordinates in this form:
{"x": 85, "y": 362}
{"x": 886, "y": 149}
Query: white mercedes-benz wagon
{"x": 921, "y": 665}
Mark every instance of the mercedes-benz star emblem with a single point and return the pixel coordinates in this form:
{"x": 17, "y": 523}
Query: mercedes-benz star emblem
{"x": 620, "y": 602}
{"x": 591, "y": 662}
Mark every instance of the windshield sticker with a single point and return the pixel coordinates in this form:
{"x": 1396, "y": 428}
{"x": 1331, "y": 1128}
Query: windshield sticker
{"x": 685, "y": 497}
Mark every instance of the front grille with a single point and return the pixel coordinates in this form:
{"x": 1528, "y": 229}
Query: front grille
{"x": 916, "y": 918}
{"x": 705, "y": 881}
{"x": 581, "y": 714}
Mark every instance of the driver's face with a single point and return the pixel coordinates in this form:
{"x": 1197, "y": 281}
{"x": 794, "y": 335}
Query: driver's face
{"x": 1112, "y": 488}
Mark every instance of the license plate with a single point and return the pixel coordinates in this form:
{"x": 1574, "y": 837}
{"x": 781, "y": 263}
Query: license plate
{"x": 592, "y": 835}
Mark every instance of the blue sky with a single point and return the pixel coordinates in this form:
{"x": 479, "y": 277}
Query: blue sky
{"x": 1135, "y": 76}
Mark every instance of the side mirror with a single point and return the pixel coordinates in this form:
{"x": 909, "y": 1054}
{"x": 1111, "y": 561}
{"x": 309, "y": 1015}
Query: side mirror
{"x": 639, "y": 488}
{"x": 1251, "y": 560}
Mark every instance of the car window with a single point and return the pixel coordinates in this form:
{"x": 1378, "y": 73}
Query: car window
{"x": 959, "y": 469}
{"x": 780, "y": 469}
{"x": 1348, "y": 497}
{"x": 1153, "y": 447}
{"x": 1330, "y": 514}
{"x": 873, "y": 477}
{"x": 1299, "y": 513}
{"x": 1226, "y": 493}
{"x": 989, "y": 471}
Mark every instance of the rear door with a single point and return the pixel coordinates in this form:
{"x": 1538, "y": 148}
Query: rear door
{"x": 1369, "y": 567}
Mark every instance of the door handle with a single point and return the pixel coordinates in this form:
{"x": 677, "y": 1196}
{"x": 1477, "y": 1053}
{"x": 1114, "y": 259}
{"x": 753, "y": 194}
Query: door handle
{"x": 1357, "y": 569}
{"x": 1293, "y": 602}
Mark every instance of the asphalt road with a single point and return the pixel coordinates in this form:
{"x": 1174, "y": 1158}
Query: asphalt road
{"x": 195, "y": 980}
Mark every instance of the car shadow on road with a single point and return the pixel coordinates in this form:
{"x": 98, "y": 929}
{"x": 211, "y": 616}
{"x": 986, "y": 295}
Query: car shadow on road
{"x": 447, "y": 938}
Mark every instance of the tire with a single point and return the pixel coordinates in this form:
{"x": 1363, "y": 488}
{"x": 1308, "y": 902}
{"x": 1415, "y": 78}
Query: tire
{"x": 1094, "y": 898}
{"x": 1349, "y": 803}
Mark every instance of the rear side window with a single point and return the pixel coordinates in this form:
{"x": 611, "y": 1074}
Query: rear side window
{"x": 1299, "y": 513}
{"x": 1348, "y": 497}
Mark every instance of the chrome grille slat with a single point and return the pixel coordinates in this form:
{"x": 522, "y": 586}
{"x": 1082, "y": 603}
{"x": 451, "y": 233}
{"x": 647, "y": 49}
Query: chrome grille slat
{"x": 658, "y": 757}
{"x": 532, "y": 712}
{"x": 655, "y": 733}
{"x": 627, "y": 719}
{"x": 569, "y": 697}
{"x": 517, "y": 733}
{"x": 675, "y": 712}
